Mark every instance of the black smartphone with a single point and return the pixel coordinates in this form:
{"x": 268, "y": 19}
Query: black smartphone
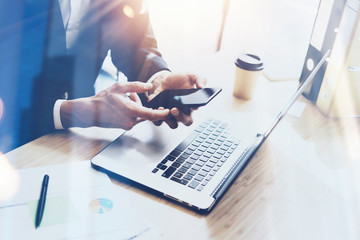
{"x": 183, "y": 99}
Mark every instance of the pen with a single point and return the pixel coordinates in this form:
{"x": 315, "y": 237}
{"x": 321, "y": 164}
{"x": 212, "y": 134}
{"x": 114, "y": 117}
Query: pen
{"x": 42, "y": 200}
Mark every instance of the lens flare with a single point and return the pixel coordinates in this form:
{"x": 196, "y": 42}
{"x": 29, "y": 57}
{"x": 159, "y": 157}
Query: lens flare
{"x": 9, "y": 179}
{"x": 128, "y": 11}
{"x": 1, "y": 108}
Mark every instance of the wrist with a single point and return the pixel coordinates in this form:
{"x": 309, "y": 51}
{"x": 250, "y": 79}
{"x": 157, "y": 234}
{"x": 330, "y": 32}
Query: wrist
{"x": 73, "y": 113}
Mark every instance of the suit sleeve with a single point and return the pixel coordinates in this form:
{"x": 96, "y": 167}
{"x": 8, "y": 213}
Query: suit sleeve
{"x": 132, "y": 42}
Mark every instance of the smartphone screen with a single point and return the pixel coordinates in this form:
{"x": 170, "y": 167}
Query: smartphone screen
{"x": 183, "y": 98}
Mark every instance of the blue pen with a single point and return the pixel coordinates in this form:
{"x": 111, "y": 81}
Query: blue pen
{"x": 42, "y": 201}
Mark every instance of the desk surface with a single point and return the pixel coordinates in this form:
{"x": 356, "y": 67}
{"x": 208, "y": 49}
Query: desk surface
{"x": 303, "y": 183}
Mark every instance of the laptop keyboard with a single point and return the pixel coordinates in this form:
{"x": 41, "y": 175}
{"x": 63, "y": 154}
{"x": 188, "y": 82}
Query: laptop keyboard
{"x": 197, "y": 159}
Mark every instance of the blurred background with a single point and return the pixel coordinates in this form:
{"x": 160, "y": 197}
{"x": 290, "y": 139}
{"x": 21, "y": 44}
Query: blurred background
{"x": 189, "y": 31}
{"x": 278, "y": 30}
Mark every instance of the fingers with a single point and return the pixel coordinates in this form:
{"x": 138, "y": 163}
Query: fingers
{"x": 148, "y": 113}
{"x": 136, "y": 87}
{"x": 199, "y": 82}
{"x": 186, "y": 119}
{"x": 135, "y": 98}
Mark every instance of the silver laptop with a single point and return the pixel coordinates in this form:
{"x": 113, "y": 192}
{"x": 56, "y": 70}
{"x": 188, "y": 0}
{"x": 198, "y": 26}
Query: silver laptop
{"x": 193, "y": 168}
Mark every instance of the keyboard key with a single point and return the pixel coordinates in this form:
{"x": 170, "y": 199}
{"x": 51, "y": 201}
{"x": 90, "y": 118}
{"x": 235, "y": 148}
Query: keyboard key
{"x": 214, "y": 160}
{"x": 164, "y": 161}
{"x": 189, "y": 151}
{"x": 206, "y": 168}
{"x": 202, "y": 136}
{"x": 209, "y": 141}
{"x": 187, "y": 141}
{"x": 213, "y": 137}
{"x": 224, "y": 148}
{"x": 180, "y": 160}
{"x": 215, "y": 134}
{"x": 210, "y": 164}
{"x": 183, "y": 170}
{"x": 178, "y": 175}
{"x": 203, "y": 159}
{"x": 187, "y": 165}
{"x": 199, "y": 129}
{"x": 192, "y": 172}
{"x": 163, "y": 167}
{"x": 184, "y": 182}
{"x": 175, "y": 165}
{"x": 185, "y": 155}
{"x": 191, "y": 161}
{"x": 205, "y": 182}
{"x": 170, "y": 158}
{"x": 215, "y": 147}
{"x": 196, "y": 167}
{"x": 188, "y": 177}
{"x": 168, "y": 172}
{"x": 199, "y": 178}
{"x": 202, "y": 149}
{"x": 216, "y": 155}
{"x": 200, "y": 163}
{"x": 193, "y": 184}
{"x": 159, "y": 165}
{"x": 194, "y": 157}
{"x": 208, "y": 178}
{"x": 202, "y": 173}
{"x": 175, "y": 179}
{"x": 197, "y": 152}
{"x": 212, "y": 173}
{"x": 175, "y": 153}
{"x": 223, "y": 125}
{"x": 199, "y": 140}
{"x": 205, "y": 145}
{"x": 223, "y": 159}
{"x": 192, "y": 148}
{"x": 155, "y": 170}
{"x": 207, "y": 132}
{"x": 200, "y": 188}
{"x": 211, "y": 151}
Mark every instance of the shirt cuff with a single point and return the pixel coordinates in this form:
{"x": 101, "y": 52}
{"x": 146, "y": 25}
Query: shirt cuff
{"x": 56, "y": 114}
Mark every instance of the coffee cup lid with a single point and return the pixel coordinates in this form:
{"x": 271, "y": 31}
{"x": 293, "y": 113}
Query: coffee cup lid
{"x": 249, "y": 62}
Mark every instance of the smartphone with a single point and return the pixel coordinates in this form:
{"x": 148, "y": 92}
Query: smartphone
{"x": 183, "y": 99}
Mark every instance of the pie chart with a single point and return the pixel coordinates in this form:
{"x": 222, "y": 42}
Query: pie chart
{"x": 101, "y": 205}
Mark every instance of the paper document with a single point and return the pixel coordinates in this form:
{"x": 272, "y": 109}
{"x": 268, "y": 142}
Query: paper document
{"x": 81, "y": 204}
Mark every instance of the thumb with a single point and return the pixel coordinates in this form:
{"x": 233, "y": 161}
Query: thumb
{"x": 137, "y": 87}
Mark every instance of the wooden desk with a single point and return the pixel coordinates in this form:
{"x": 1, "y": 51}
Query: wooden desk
{"x": 303, "y": 183}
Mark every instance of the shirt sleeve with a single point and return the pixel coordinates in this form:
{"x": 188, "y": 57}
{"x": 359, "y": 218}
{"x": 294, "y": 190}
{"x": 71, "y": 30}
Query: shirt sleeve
{"x": 56, "y": 113}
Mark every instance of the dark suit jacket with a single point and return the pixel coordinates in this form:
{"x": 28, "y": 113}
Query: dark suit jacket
{"x": 37, "y": 68}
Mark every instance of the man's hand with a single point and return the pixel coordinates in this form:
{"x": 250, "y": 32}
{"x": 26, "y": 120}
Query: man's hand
{"x": 115, "y": 107}
{"x": 176, "y": 81}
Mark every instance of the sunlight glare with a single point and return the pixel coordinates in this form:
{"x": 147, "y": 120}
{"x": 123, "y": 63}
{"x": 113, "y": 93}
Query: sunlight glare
{"x": 9, "y": 179}
{"x": 1, "y": 108}
{"x": 128, "y": 11}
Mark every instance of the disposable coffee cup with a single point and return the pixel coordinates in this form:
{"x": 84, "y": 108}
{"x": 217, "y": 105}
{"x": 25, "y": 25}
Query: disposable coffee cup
{"x": 247, "y": 71}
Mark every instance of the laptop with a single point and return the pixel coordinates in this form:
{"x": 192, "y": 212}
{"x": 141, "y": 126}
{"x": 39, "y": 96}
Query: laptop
{"x": 192, "y": 168}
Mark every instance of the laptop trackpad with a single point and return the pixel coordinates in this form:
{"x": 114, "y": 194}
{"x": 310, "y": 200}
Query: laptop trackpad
{"x": 142, "y": 147}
